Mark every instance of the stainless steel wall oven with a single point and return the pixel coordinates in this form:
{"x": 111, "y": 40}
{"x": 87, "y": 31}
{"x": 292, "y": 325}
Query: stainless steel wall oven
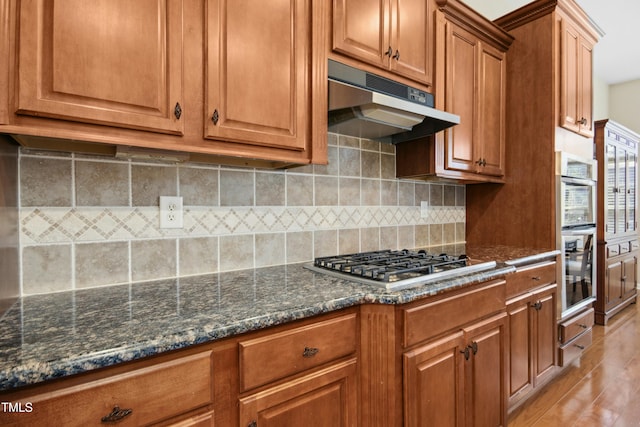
{"x": 576, "y": 217}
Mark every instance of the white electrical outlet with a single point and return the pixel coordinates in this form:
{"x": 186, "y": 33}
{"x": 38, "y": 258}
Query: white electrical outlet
{"x": 171, "y": 212}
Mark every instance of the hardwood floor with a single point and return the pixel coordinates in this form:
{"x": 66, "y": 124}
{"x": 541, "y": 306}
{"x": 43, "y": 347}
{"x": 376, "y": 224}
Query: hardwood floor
{"x": 602, "y": 389}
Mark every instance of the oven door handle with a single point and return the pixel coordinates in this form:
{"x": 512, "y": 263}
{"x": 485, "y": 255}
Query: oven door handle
{"x": 578, "y": 231}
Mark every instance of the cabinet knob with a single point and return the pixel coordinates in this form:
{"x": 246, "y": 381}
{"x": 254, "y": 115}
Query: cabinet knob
{"x": 537, "y": 278}
{"x": 396, "y": 56}
{"x": 310, "y": 351}
{"x": 474, "y": 347}
{"x": 215, "y": 117}
{"x": 177, "y": 110}
{"x": 466, "y": 353}
{"x": 252, "y": 424}
{"x": 583, "y": 121}
{"x": 389, "y": 51}
{"x": 116, "y": 415}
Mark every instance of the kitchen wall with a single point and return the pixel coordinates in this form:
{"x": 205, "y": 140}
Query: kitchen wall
{"x": 624, "y": 104}
{"x": 9, "y": 264}
{"x": 88, "y": 221}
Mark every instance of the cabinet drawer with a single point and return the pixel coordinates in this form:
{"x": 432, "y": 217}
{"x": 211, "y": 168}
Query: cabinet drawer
{"x": 153, "y": 394}
{"x": 625, "y": 247}
{"x": 428, "y": 320}
{"x": 613, "y": 250}
{"x": 574, "y": 349}
{"x": 575, "y": 326}
{"x": 529, "y": 277}
{"x": 279, "y": 355}
{"x": 634, "y": 245}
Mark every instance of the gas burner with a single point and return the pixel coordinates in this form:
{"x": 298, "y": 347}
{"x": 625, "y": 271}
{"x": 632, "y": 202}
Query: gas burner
{"x": 397, "y": 269}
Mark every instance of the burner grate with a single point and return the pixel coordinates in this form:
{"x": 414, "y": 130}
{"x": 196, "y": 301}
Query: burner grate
{"x": 390, "y": 266}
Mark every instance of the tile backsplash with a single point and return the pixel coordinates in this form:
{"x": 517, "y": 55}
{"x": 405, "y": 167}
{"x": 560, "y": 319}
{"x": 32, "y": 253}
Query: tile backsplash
{"x": 89, "y": 221}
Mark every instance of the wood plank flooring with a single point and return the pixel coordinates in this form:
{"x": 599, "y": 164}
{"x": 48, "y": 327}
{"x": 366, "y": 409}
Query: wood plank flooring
{"x": 601, "y": 390}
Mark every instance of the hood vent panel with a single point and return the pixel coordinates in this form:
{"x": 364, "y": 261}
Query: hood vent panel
{"x": 369, "y": 106}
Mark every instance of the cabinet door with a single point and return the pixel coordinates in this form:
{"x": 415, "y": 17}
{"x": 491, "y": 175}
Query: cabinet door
{"x": 327, "y": 398}
{"x": 112, "y": 62}
{"x": 576, "y": 80}
{"x": 412, "y": 39}
{"x": 520, "y": 347}
{"x": 258, "y": 59}
{"x": 613, "y": 284}
{"x": 361, "y": 29}
{"x": 611, "y": 194}
{"x": 433, "y": 383}
{"x": 630, "y": 214}
{"x": 461, "y": 97}
{"x": 486, "y": 378}
{"x": 491, "y": 111}
{"x": 544, "y": 311}
{"x": 630, "y": 265}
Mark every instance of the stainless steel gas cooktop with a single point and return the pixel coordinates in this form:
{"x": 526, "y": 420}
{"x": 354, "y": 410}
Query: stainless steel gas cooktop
{"x": 397, "y": 269}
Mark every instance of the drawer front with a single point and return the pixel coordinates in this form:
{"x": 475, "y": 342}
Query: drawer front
{"x": 634, "y": 245}
{"x": 613, "y": 250}
{"x": 152, "y": 394}
{"x": 625, "y": 247}
{"x": 276, "y": 356}
{"x": 575, "y": 326}
{"x": 430, "y": 319}
{"x": 574, "y": 349}
{"x": 530, "y": 277}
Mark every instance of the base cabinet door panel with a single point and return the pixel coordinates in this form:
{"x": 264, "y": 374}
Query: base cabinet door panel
{"x": 326, "y": 398}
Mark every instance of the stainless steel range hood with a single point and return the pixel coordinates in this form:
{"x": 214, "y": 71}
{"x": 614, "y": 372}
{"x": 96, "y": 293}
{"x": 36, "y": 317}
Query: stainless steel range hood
{"x": 369, "y": 106}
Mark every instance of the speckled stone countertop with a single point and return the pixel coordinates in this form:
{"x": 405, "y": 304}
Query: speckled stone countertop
{"x": 44, "y": 337}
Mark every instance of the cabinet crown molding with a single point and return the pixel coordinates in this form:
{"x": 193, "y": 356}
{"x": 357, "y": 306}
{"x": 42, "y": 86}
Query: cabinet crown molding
{"x": 467, "y": 18}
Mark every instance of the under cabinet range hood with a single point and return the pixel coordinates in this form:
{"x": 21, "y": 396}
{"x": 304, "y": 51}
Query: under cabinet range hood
{"x": 369, "y": 106}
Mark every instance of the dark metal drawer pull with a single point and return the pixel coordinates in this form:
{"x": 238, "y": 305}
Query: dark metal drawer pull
{"x": 310, "y": 351}
{"x": 581, "y": 347}
{"x": 116, "y": 415}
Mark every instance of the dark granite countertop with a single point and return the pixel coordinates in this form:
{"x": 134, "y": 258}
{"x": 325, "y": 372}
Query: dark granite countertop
{"x": 50, "y": 336}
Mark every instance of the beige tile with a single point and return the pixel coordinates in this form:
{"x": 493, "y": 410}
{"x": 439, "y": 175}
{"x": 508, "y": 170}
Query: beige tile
{"x": 45, "y": 182}
{"x": 270, "y": 249}
{"x": 389, "y": 238}
{"x": 387, "y": 166}
{"x": 198, "y": 255}
{"x": 422, "y": 192}
{"x": 198, "y": 186}
{"x": 148, "y": 183}
{"x": 299, "y": 190}
{"x": 461, "y": 191}
{"x": 349, "y": 162}
{"x": 436, "y": 195}
{"x": 369, "y": 239}
{"x": 436, "y": 234}
{"x": 449, "y": 233}
{"x": 370, "y": 195}
{"x": 299, "y": 246}
{"x": 388, "y": 148}
{"x": 349, "y": 141}
{"x": 236, "y": 188}
{"x": 370, "y": 164}
{"x": 46, "y": 269}
{"x": 389, "y": 193}
{"x": 327, "y": 191}
{"x": 421, "y": 235}
{"x": 349, "y": 191}
{"x": 99, "y": 264}
{"x": 449, "y": 195}
{"x": 236, "y": 252}
{"x": 460, "y": 232}
{"x": 270, "y": 189}
{"x": 325, "y": 243}
{"x": 102, "y": 184}
{"x": 406, "y": 237}
{"x": 406, "y": 193}
{"x": 348, "y": 241}
{"x": 370, "y": 144}
{"x": 153, "y": 259}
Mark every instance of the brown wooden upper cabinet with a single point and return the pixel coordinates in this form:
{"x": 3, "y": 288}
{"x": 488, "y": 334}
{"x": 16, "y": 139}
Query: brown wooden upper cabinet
{"x": 257, "y": 75}
{"x": 394, "y": 35}
{"x": 576, "y": 78}
{"x": 117, "y": 63}
{"x": 245, "y": 85}
{"x": 470, "y": 81}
